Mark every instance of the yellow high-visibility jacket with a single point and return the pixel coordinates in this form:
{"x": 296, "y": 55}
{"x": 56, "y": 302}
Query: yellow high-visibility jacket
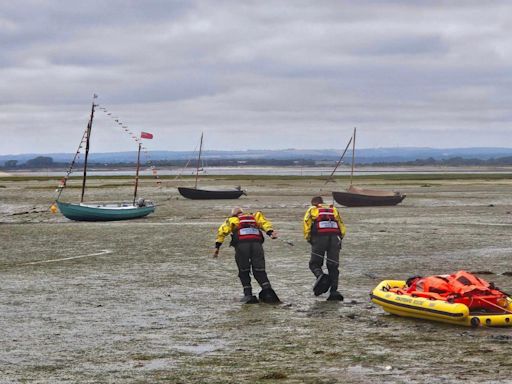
{"x": 312, "y": 214}
{"x": 232, "y": 223}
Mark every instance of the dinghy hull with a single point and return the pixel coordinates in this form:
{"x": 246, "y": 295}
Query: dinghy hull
{"x": 103, "y": 212}
{"x": 349, "y": 199}
{"x": 435, "y": 310}
{"x": 204, "y": 194}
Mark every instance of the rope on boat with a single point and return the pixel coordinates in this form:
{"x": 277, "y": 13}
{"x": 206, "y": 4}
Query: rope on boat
{"x": 64, "y": 180}
{"x": 137, "y": 139}
{"x": 186, "y": 165}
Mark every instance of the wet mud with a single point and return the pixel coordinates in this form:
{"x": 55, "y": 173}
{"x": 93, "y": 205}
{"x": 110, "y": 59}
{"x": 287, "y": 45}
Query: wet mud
{"x": 143, "y": 300}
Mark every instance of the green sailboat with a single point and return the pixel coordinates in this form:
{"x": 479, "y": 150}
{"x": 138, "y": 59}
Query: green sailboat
{"x": 138, "y": 207}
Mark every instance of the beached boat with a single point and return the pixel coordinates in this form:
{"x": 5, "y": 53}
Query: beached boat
{"x": 208, "y": 194}
{"x": 138, "y": 207}
{"x": 359, "y": 197}
{"x": 104, "y": 211}
{"x": 488, "y": 308}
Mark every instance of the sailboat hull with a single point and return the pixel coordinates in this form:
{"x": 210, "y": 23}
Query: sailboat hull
{"x": 103, "y": 212}
{"x": 349, "y": 199}
{"x": 204, "y": 194}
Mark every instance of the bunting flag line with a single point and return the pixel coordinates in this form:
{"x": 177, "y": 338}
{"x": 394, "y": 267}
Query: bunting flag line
{"x": 64, "y": 180}
{"x": 143, "y": 135}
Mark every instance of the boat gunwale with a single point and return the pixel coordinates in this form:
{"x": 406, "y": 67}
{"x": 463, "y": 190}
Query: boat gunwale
{"x": 106, "y": 206}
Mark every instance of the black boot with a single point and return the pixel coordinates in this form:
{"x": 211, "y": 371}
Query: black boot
{"x": 322, "y": 284}
{"x": 249, "y": 298}
{"x": 335, "y": 296}
{"x": 268, "y": 296}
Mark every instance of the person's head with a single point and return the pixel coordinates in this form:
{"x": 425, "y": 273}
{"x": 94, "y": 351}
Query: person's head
{"x": 317, "y": 200}
{"x": 236, "y": 211}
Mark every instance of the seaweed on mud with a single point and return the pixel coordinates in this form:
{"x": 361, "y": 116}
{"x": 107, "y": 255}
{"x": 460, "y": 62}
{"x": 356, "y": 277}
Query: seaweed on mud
{"x": 168, "y": 311}
{"x": 274, "y": 376}
{"x": 501, "y": 338}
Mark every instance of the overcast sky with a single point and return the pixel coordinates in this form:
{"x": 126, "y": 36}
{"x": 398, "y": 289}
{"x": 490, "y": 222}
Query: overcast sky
{"x": 255, "y": 74}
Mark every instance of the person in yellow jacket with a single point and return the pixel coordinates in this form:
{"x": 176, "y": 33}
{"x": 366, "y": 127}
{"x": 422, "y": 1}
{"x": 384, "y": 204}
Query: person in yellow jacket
{"x": 324, "y": 230}
{"x": 247, "y": 238}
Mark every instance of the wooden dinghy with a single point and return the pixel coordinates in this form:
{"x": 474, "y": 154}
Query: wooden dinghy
{"x": 359, "y": 197}
{"x": 208, "y": 194}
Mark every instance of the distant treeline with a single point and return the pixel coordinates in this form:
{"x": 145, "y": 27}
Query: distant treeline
{"x": 47, "y": 162}
{"x": 452, "y": 161}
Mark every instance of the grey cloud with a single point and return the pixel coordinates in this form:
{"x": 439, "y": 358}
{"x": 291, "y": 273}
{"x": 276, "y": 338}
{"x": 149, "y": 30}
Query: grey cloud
{"x": 270, "y": 73}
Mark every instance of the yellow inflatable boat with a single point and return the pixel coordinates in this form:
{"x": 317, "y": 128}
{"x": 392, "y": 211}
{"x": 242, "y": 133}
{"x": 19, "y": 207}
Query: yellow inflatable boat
{"x": 437, "y": 310}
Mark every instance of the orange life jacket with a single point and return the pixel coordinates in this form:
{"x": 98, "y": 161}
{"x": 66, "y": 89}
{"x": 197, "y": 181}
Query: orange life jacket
{"x": 460, "y": 287}
{"x": 248, "y": 229}
{"x": 465, "y": 282}
{"x": 431, "y": 287}
{"x": 437, "y": 284}
{"x": 325, "y": 223}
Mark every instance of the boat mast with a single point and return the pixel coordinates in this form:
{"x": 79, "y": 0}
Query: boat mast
{"x": 137, "y": 175}
{"x": 199, "y": 159}
{"x": 353, "y": 155}
{"x": 89, "y": 127}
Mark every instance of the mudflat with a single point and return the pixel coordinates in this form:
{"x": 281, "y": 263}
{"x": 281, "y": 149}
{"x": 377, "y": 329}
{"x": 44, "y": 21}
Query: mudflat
{"x": 143, "y": 300}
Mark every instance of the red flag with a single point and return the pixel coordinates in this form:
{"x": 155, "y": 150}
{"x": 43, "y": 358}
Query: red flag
{"x": 145, "y": 135}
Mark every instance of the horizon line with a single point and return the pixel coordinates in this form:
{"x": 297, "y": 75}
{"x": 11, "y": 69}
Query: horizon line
{"x": 272, "y": 150}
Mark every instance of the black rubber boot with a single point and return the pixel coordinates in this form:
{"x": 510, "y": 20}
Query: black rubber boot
{"x": 322, "y": 284}
{"x": 268, "y": 296}
{"x": 249, "y": 299}
{"x": 335, "y": 296}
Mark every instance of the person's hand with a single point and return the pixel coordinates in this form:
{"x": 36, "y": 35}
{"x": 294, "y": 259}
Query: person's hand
{"x": 273, "y": 235}
{"x": 216, "y": 253}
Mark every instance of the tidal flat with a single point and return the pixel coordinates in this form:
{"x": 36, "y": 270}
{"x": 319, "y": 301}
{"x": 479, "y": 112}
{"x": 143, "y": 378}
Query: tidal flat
{"x": 143, "y": 301}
